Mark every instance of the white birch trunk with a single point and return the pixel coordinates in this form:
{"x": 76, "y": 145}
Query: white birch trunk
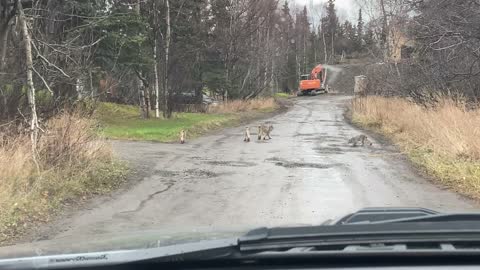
{"x": 325, "y": 49}
{"x": 80, "y": 87}
{"x": 3, "y": 45}
{"x": 333, "y": 49}
{"x": 31, "y": 87}
{"x": 157, "y": 84}
{"x": 166, "y": 112}
{"x": 141, "y": 98}
{"x": 93, "y": 90}
{"x": 305, "y": 53}
{"x": 155, "y": 67}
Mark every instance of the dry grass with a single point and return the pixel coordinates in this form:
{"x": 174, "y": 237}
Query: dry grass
{"x": 73, "y": 164}
{"x": 443, "y": 137}
{"x": 235, "y": 106}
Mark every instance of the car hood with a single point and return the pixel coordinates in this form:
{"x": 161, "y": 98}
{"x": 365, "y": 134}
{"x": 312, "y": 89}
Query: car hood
{"x": 75, "y": 244}
{"x": 111, "y": 242}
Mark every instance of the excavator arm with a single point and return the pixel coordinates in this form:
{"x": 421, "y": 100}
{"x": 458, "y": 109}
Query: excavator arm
{"x": 315, "y": 83}
{"x": 315, "y": 72}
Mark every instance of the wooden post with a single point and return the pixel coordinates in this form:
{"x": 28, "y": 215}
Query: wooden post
{"x": 360, "y": 85}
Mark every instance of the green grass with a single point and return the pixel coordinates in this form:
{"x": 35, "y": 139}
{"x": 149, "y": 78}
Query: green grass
{"x": 123, "y": 122}
{"x": 268, "y": 110}
{"x": 282, "y": 95}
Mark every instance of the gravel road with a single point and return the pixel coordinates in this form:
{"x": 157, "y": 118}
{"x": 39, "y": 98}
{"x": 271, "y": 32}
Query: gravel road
{"x": 306, "y": 174}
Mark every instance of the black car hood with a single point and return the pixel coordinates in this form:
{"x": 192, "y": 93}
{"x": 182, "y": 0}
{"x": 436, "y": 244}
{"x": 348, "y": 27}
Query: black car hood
{"x": 380, "y": 220}
{"x": 111, "y": 242}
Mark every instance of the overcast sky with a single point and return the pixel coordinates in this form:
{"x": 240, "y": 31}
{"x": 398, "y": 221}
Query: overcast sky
{"x": 346, "y": 9}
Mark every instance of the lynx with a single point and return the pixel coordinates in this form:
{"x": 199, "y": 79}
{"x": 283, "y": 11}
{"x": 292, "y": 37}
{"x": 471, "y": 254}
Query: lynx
{"x": 183, "y": 136}
{"x": 264, "y": 131}
{"x": 246, "y": 135}
{"x": 360, "y": 139}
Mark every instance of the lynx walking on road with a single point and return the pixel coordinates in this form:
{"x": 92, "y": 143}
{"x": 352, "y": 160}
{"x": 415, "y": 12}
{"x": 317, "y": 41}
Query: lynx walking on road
{"x": 183, "y": 136}
{"x": 246, "y": 135}
{"x": 264, "y": 131}
{"x": 359, "y": 139}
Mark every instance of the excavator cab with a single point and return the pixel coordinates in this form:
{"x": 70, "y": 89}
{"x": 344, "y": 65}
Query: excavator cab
{"x": 305, "y": 77}
{"x": 313, "y": 83}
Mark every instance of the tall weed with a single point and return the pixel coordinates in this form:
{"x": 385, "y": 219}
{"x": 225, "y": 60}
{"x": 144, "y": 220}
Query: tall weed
{"x": 261, "y": 104}
{"x": 441, "y": 136}
{"x": 74, "y": 163}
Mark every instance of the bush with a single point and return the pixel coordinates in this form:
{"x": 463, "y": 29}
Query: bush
{"x": 411, "y": 79}
{"x": 234, "y": 106}
{"x": 441, "y": 137}
{"x": 73, "y": 163}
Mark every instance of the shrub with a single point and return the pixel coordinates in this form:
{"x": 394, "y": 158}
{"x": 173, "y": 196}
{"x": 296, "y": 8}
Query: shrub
{"x": 441, "y": 137}
{"x": 73, "y": 163}
{"x": 234, "y": 106}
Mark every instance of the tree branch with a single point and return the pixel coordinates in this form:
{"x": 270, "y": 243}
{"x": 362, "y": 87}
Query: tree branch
{"x": 48, "y": 62}
{"x": 43, "y": 80}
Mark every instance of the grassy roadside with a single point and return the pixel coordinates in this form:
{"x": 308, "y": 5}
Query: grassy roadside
{"x": 441, "y": 139}
{"x": 123, "y": 122}
{"x": 73, "y": 165}
{"x": 283, "y": 95}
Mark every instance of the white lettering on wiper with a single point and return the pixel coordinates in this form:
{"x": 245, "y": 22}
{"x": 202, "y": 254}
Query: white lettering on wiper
{"x": 79, "y": 258}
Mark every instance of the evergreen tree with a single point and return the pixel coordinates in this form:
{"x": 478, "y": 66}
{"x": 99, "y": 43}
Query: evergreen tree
{"x": 360, "y": 33}
{"x": 369, "y": 39}
{"x": 303, "y": 32}
{"x": 288, "y": 78}
{"x": 332, "y": 18}
{"x": 330, "y": 29}
{"x": 350, "y": 36}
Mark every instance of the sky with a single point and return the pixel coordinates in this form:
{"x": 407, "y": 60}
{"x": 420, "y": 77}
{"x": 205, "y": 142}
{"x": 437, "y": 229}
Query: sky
{"x": 346, "y": 9}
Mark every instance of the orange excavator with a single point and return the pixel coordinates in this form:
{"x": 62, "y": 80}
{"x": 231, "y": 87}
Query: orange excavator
{"x": 313, "y": 83}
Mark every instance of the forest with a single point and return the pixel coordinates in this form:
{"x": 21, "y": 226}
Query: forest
{"x": 144, "y": 51}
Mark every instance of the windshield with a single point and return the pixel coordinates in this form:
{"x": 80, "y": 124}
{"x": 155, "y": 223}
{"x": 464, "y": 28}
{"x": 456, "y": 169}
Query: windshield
{"x": 136, "y": 124}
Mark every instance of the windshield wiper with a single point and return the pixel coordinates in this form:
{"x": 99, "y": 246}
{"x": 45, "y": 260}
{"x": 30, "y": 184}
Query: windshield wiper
{"x": 385, "y": 214}
{"x": 370, "y": 226}
{"x": 403, "y": 215}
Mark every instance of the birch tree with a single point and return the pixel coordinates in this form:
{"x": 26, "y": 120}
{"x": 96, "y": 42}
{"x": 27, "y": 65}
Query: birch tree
{"x": 167, "y": 113}
{"x": 155, "y": 58}
{"x": 31, "y": 87}
{"x": 7, "y": 13}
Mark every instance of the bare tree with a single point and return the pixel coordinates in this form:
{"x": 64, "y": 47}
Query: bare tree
{"x": 31, "y": 87}
{"x": 155, "y": 58}
{"x": 168, "y": 35}
{"x": 7, "y": 13}
{"x": 143, "y": 94}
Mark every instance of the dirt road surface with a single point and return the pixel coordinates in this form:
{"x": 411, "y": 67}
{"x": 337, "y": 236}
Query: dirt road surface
{"x": 306, "y": 174}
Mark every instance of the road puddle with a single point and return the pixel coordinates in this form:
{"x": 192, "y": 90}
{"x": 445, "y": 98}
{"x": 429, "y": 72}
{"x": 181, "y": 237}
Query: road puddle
{"x": 231, "y": 163}
{"x": 305, "y": 165}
